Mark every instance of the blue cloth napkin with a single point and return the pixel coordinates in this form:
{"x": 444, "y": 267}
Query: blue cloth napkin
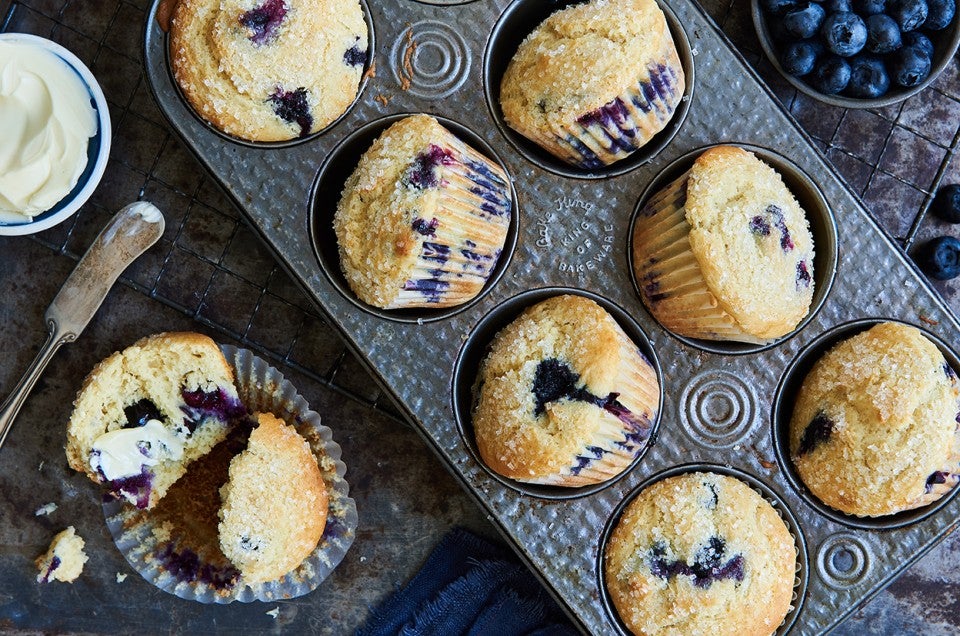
{"x": 469, "y": 586}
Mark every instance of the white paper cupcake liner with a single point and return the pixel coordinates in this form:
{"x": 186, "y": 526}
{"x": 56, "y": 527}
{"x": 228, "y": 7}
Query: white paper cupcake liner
{"x": 624, "y": 124}
{"x": 474, "y": 207}
{"x": 262, "y": 388}
{"x": 669, "y": 275}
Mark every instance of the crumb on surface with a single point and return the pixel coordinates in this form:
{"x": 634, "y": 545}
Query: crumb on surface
{"x": 64, "y": 560}
{"x": 46, "y": 509}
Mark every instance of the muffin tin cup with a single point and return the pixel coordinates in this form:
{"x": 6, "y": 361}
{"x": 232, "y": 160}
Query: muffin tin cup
{"x": 782, "y": 411}
{"x": 273, "y": 145}
{"x": 771, "y": 497}
{"x": 474, "y": 351}
{"x": 261, "y": 388}
{"x": 515, "y": 24}
{"x": 823, "y": 227}
{"x": 326, "y": 193}
{"x": 945, "y": 44}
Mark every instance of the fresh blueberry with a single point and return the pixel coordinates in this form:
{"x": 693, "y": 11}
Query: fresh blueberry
{"x": 909, "y": 66}
{"x": 832, "y": 6}
{"x": 946, "y": 205}
{"x": 804, "y": 21}
{"x": 940, "y": 258}
{"x": 831, "y": 75}
{"x": 939, "y": 14}
{"x": 909, "y": 14}
{"x": 920, "y": 41}
{"x": 844, "y": 33}
{"x": 868, "y": 77}
{"x": 869, "y": 7}
{"x": 778, "y": 7}
{"x": 799, "y": 58}
{"x": 883, "y": 34}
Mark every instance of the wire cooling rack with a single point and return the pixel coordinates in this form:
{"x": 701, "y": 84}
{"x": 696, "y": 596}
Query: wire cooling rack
{"x": 208, "y": 264}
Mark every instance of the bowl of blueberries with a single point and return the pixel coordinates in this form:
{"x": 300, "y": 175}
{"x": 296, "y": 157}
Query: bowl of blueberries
{"x": 858, "y": 53}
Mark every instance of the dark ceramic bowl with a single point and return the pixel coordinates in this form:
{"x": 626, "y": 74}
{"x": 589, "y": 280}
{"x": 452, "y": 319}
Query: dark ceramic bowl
{"x": 945, "y": 43}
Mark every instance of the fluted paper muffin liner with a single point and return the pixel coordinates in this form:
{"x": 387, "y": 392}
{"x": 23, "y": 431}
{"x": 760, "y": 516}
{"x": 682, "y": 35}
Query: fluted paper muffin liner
{"x": 668, "y": 274}
{"x": 473, "y": 214}
{"x": 155, "y": 549}
{"x": 625, "y": 123}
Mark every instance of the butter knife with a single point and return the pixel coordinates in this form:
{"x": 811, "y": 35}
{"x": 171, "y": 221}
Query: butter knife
{"x": 129, "y": 234}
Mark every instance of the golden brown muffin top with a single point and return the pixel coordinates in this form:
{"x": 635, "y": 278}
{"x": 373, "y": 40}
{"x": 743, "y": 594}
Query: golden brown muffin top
{"x": 701, "y": 553}
{"x": 751, "y": 239}
{"x": 274, "y": 503}
{"x": 875, "y": 418}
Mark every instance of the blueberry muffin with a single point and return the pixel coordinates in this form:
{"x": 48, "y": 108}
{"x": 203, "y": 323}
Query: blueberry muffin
{"x": 274, "y": 503}
{"x": 725, "y": 251}
{"x": 422, "y": 220}
{"x": 64, "y": 560}
{"x": 565, "y": 398}
{"x": 700, "y": 553}
{"x": 143, "y": 414}
{"x": 595, "y": 81}
{"x": 268, "y": 70}
{"x": 876, "y": 425}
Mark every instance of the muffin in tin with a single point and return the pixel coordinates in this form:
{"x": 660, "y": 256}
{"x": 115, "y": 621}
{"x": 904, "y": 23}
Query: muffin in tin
{"x": 564, "y": 397}
{"x": 875, "y": 428}
{"x": 268, "y": 70}
{"x": 423, "y": 219}
{"x": 725, "y": 251}
{"x": 594, "y": 82}
{"x": 700, "y": 553}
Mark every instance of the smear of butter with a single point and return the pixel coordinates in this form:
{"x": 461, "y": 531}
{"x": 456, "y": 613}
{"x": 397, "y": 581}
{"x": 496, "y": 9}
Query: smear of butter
{"x": 47, "y": 124}
{"x": 124, "y": 452}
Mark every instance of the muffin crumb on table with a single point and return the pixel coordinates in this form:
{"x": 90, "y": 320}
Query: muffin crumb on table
{"x": 64, "y": 560}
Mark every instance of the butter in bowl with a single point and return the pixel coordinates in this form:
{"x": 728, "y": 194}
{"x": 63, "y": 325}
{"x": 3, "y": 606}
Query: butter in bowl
{"x": 55, "y": 136}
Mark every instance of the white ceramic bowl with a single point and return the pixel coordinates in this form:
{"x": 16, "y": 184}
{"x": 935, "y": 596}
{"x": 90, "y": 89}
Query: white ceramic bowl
{"x": 98, "y": 149}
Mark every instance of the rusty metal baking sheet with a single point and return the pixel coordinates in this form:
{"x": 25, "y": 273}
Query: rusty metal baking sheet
{"x": 572, "y": 232}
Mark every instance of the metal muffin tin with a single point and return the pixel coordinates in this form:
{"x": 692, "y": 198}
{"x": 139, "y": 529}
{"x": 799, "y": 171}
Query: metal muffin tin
{"x": 572, "y": 231}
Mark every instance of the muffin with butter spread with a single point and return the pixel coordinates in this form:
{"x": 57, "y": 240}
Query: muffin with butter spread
{"x": 145, "y": 413}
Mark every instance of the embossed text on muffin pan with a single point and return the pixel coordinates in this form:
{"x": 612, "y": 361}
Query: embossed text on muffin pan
{"x": 573, "y": 232}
